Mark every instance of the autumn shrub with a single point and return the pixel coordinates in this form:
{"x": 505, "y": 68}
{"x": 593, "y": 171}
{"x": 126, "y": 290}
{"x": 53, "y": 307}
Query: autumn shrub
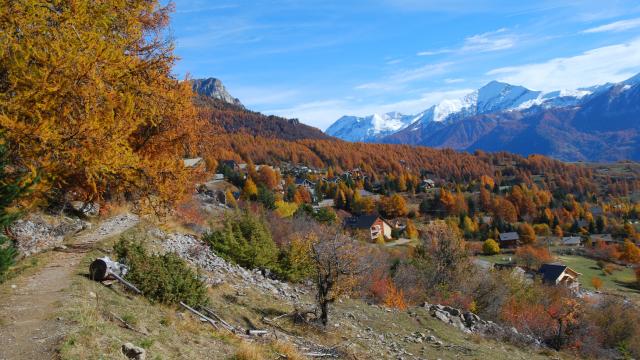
{"x": 596, "y": 282}
{"x": 490, "y": 247}
{"x": 163, "y": 278}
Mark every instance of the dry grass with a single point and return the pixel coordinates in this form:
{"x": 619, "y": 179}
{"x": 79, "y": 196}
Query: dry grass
{"x": 249, "y": 351}
{"x": 288, "y": 350}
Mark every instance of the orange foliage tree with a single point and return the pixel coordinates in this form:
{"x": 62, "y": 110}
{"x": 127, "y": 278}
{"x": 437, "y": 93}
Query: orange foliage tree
{"x": 87, "y": 97}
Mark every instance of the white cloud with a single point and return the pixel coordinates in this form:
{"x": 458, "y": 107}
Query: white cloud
{"x": 323, "y": 113}
{"x": 597, "y": 66}
{"x": 398, "y": 79}
{"x": 500, "y": 39}
{"x": 490, "y": 41}
{"x": 453, "y": 81}
{"x": 621, "y": 25}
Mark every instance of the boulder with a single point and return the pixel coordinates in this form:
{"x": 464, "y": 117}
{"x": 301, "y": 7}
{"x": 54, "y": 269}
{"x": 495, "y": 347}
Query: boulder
{"x": 133, "y": 352}
{"x": 89, "y": 209}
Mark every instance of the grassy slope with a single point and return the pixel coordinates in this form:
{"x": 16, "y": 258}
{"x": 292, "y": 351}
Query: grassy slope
{"x": 361, "y": 330}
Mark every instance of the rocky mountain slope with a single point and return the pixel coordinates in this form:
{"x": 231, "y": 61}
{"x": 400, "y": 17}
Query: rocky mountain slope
{"x": 228, "y": 115}
{"x": 213, "y": 88}
{"x": 599, "y": 123}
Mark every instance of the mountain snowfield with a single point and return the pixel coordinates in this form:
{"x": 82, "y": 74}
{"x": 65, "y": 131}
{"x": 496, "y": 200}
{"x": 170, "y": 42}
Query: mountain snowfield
{"x": 598, "y": 123}
{"x": 493, "y": 97}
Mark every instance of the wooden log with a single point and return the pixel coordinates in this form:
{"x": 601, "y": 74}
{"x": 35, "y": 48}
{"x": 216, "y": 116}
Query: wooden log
{"x": 202, "y": 316}
{"x": 257, "y": 332}
{"x": 225, "y": 324}
{"x": 127, "y": 284}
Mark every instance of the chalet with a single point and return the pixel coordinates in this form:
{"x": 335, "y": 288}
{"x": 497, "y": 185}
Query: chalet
{"x": 605, "y": 238}
{"x": 192, "y": 162}
{"x": 509, "y": 239}
{"x": 571, "y": 241}
{"x": 218, "y": 177}
{"x": 326, "y": 203}
{"x": 231, "y": 164}
{"x": 305, "y": 182}
{"x": 486, "y": 219}
{"x": 332, "y": 180}
{"x": 556, "y": 274}
{"x": 428, "y": 184}
{"x": 373, "y": 223}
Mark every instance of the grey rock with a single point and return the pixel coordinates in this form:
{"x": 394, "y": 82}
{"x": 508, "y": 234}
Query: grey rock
{"x": 133, "y": 352}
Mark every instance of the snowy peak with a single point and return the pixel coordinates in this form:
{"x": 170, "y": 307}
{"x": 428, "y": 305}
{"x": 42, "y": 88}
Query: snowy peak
{"x": 494, "y": 97}
{"x": 369, "y": 128}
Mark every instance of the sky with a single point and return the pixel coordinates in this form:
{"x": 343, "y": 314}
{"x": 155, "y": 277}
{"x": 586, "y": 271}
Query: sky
{"x": 317, "y": 60}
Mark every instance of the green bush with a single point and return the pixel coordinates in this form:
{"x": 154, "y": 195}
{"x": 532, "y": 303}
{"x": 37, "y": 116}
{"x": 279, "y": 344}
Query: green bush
{"x": 245, "y": 240}
{"x": 162, "y": 278}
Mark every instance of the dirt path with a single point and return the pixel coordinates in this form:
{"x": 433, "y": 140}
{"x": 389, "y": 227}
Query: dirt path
{"x": 28, "y": 329}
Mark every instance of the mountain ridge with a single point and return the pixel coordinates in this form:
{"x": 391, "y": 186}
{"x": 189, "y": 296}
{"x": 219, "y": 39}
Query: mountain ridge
{"x": 570, "y": 125}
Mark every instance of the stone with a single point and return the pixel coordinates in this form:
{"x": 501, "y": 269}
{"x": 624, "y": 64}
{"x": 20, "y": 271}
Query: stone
{"x": 441, "y": 315}
{"x": 133, "y": 352}
{"x": 92, "y": 294}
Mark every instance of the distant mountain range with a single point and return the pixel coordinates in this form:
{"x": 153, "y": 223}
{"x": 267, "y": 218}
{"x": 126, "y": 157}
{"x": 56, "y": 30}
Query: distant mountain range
{"x": 600, "y": 123}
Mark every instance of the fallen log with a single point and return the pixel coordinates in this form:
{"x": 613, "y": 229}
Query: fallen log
{"x": 257, "y": 332}
{"x": 225, "y": 324}
{"x": 199, "y": 314}
{"x": 126, "y": 324}
{"x": 106, "y": 269}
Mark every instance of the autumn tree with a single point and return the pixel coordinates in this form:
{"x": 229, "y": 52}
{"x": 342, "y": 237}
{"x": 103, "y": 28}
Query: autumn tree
{"x": 527, "y": 234}
{"x": 411, "y": 230}
{"x": 87, "y": 97}
{"x": 532, "y": 257}
{"x": 442, "y": 254}
{"x": 393, "y": 206}
{"x": 268, "y": 177}
{"x": 336, "y": 259}
{"x": 250, "y": 190}
{"x": 596, "y": 282}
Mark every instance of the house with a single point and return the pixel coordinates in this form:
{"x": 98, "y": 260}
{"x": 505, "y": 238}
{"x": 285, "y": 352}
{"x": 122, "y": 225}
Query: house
{"x": 231, "y": 164}
{"x": 509, "y": 239}
{"x": 557, "y": 274}
{"x": 218, "y": 177}
{"x": 332, "y": 180}
{"x": 326, "y": 203}
{"x": 305, "y": 182}
{"x": 486, "y": 219}
{"x": 428, "y": 184}
{"x": 376, "y": 225}
{"x": 605, "y": 238}
{"x": 571, "y": 241}
{"x": 368, "y": 194}
{"x": 192, "y": 162}
{"x": 596, "y": 211}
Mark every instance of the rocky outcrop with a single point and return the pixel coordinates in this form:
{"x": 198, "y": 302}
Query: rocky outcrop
{"x": 133, "y": 352}
{"x": 469, "y": 322}
{"x": 213, "y": 88}
{"x": 38, "y": 232}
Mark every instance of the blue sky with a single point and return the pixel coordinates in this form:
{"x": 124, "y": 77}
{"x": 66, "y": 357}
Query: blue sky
{"x": 319, "y": 60}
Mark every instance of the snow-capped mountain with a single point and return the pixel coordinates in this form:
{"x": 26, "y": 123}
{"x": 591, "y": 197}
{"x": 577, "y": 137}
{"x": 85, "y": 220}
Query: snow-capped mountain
{"x": 493, "y": 97}
{"x": 369, "y": 128}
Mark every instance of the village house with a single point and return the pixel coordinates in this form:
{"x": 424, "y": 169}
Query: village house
{"x": 571, "y": 241}
{"x": 373, "y": 223}
{"x": 509, "y": 240}
{"x": 231, "y": 164}
{"x": 192, "y": 162}
{"x": 557, "y": 274}
{"x": 605, "y": 238}
{"x": 326, "y": 203}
